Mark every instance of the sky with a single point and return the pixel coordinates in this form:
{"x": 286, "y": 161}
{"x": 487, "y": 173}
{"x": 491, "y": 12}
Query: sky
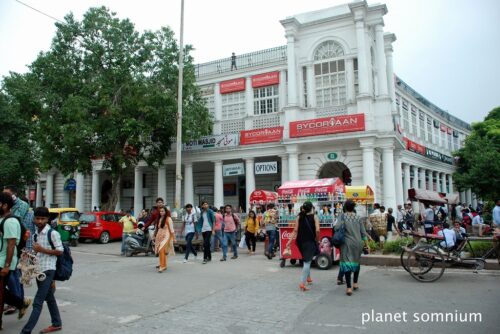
{"x": 447, "y": 50}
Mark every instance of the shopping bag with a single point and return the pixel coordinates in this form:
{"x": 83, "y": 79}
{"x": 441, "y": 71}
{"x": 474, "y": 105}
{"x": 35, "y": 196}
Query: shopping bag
{"x": 242, "y": 241}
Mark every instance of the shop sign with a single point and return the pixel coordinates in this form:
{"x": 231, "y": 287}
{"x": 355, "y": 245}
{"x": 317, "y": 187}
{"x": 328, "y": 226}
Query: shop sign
{"x": 266, "y": 79}
{"x": 218, "y": 141}
{"x": 270, "y": 167}
{"x": 231, "y": 86}
{"x": 434, "y": 155}
{"x": 233, "y": 169}
{"x": 332, "y": 156}
{"x": 414, "y": 147}
{"x": 443, "y": 128}
{"x": 259, "y": 136}
{"x": 204, "y": 190}
{"x": 327, "y": 125}
{"x": 70, "y": 185}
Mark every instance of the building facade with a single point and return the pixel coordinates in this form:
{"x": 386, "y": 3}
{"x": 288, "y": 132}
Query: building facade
{"x": 326, "y": 104}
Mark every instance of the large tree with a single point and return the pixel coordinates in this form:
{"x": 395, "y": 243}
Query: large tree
{"x": 107, "y": 91}
{"x": 479, "y": 160}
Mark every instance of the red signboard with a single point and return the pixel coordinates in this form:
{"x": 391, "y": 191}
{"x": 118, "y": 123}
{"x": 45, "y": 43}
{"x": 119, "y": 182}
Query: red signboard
{"x": 230, "y": 86}
{"x": 259, "y": 136}
{"x": 449, "y": 130}
{"x": 327, "y": 125}
{"x": 443, "y": 128}
{"x": 414, "y": 147}
{"x": 266, "y": 79}
{"x": 318, "y": 186}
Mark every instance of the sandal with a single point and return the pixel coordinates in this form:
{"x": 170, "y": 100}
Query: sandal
{"x": 51, "y": 329}
{"x": 348, "y": 292}
{"x": 355, "y": 287}
{"x": 340, "y": 282}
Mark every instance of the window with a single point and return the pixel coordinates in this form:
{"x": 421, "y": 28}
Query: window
{"x": 233, "y": 105}
{"x": 429, "y": 129}
{"x": 421, "y": 118}
{"x": 304, "y": 84}
{"x": 330, "y": 76}
{"x": 414, "y": 120}
{"x": 266, "y": 100}
{"x": 207, "y": 92}
{"x": 435, "y": 134}
{"x": 356, "y": 80}
{"x": 406, "y": 116}
{"x": 449, "y": 142}
{"x": 443, "y": 138}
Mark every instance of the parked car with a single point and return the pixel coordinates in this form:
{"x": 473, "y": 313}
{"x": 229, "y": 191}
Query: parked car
{"x": 66, "y": 222}
{"x": 101, "y": 226}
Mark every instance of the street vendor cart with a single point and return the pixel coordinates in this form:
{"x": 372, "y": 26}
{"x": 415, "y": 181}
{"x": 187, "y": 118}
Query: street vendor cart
{"x": 291, "y": 195}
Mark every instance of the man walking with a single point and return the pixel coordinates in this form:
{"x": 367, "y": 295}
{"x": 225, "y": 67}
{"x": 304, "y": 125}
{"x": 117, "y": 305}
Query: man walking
{"x": 47, "y": 253}
{"x": 11, "y": 234}
{"x": 231, "y": 222}
{"x": 270, "y": 221}
{"x": 206, "y": 225}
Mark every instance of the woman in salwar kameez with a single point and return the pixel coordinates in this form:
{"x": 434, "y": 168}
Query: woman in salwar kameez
{"x": 351, "y": 249}
{"x": 164, "y": 238}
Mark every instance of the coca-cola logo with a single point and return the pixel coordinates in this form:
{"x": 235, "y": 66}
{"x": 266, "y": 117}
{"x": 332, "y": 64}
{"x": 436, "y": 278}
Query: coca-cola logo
{"x": 286, "y": 235}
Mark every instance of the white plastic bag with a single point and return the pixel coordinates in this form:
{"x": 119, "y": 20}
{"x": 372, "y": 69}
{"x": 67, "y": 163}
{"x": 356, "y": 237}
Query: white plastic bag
{"x": 242, "y": 241}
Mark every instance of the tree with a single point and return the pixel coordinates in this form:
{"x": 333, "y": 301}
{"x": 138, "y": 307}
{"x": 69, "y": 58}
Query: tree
{"x": 17, "y": 154}
{"x": 109, "y": 92}
{"x": 479, "y": 160}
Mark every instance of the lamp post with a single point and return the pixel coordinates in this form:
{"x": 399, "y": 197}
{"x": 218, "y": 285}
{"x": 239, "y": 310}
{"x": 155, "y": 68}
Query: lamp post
{"x": 178, "y": 162}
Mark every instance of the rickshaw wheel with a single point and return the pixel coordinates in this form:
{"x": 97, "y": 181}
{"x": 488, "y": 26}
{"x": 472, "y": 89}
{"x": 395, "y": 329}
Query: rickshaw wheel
{"x": 293, "y": 262}
{"x": 426, "y": 263}
{"x": 282, "y": 263}
{"x": 323, "y": 261}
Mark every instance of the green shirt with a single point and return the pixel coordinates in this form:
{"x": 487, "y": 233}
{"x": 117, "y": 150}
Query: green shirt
{"x": 11, "y": 230}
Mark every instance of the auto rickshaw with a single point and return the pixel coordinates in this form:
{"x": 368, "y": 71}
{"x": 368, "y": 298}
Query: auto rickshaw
{"x": 65, "y": 221}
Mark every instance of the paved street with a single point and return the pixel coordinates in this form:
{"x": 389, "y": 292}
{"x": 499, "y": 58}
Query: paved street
{"x": 113, "y": 294}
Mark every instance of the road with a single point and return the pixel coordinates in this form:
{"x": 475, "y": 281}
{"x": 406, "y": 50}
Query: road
{"x": 113, "y": 294}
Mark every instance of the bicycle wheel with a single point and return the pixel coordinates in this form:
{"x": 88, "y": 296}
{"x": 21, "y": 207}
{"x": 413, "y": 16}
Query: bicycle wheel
{"x": 426, "y": 263}
{"x": 404, "y": 255}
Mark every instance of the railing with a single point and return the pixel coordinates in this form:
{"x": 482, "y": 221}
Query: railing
{"x": 277, "y": 55}
{"x": 330, "y": 111}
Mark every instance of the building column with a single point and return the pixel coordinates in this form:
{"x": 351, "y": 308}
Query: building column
{"x": 218, "y": 184}
{"x": 292, "y": 71}
{"x": 438, "y": 182}
{"x": 249, "y": 104}
{"x": 450, "y": 182}
{"x": 414, "y": 184}
{"x": 421, "y": 178}
{"x": 39, "y": 195}
{"x": 80, "y": 192}
{"x": 311, "y": 94}
{"x": 138, "y": 194}
{"x": 249, "y": 179}
{"x": 399, "y": 178}
{"x": 349, "y": 69}
{"x": 406, "y": 185}
{"x": 474, "y": 201}
{"x": 284, "y": 168}
{"x": 282, "y": 90}
{"x": 96, "y": 191}
{"x": 162, "y": 183}
{"x": 430, "y": 182}
{"x": 389, "y": 39}
{"x": 468, "y": 196}
{"x": 293, "y": 166}
{"x": 443, "y": 183}
{"x": 463, "y": 197}
{"x": 368, "y": 147}
{"x": 381, "y": 63}
{"x": 188, "y": 184}
{"x": 388, "y": 174}
{"x": 49, "y": 190}
{"x": 363, "y": 77}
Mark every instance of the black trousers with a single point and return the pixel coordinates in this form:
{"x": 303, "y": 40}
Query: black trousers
{"x": 207, "y": 255}
{"x": 251, "y": 240}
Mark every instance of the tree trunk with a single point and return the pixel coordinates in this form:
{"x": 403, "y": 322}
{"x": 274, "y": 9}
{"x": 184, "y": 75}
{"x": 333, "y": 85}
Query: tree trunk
{"x": 115, "y": 192}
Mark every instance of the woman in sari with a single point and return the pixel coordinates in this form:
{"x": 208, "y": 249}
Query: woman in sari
{"x": 164, "y": 238}
{"x": 350, "y": 251}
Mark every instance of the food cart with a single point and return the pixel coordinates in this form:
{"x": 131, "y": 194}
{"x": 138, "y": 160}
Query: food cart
{"x": 259, "y": 199}
{"x": 291, "y": 195}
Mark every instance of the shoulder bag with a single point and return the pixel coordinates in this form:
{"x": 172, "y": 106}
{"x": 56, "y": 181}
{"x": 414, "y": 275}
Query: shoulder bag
{"x": 338, "y": 238}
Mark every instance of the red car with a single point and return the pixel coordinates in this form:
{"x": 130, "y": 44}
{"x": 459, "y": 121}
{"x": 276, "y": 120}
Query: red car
{"x": 101, "y": 226}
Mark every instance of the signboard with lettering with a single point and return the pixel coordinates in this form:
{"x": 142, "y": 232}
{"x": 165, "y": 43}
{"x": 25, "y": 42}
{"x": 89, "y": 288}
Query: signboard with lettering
{"x": 266, "y": 79}
{"x": 233, "y": 169}
{"x": 217, "y": 141}
{"x": 270, "y": 167}
{"x": 70, "y": 185}
{"x": 332, "y": 156}
{"x": 434, "y": 155}
{"x": 327, "y": 125}
{"x": 414, "y": 147}
{"x": 259, "y": 136}
{"x": 231, "y": 86}
{"x": 204, "y": 190}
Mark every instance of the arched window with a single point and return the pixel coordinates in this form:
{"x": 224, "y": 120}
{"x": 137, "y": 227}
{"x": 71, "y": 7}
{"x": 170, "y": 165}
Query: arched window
{"x": 329, "y": 73}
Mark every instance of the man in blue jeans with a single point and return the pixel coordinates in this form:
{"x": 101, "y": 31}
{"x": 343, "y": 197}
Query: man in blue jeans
{"x": 271, "y": 221}
{"x": 231, "y": 222}
{"x": 47, "y": 258}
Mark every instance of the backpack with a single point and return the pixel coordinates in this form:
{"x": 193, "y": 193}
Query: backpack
{"x": 64, "y": 264}
{"x": 25, "y": 234}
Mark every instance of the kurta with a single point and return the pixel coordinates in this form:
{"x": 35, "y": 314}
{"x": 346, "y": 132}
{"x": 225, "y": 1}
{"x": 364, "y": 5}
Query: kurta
{"x": 355, "y": 233}
{"x": 164, "y": 240}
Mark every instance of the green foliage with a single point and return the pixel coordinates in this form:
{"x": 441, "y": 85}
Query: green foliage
{"x": 480, "y": 248}
{"x": 374, "y": 246}
{"x": 104, "y": 90}
{"x": 479, "y": 160}
{"x": 17, "y": 155}
{"x": 395, "y": 246}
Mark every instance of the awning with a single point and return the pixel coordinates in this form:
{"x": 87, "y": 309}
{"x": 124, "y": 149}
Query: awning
{"x": 428, "y": 196}
{"x": 263, "y": 197}
{"x": 452, "y": 198}
{"x": 360, "y": 194}
{"x": 318, "y": 186}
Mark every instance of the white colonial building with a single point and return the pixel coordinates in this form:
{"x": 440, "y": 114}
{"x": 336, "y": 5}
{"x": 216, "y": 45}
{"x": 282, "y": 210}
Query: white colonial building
{"x": 326, "y": 104}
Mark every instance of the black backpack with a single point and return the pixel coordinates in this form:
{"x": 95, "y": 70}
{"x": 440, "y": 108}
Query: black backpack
{"x": 64, "y": 264}
{"x": 23, "y": 237}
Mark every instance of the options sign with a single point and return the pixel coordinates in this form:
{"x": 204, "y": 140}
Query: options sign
{"x": 270, "y": 167}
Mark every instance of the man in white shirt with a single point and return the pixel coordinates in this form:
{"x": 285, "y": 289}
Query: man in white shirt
{"x": 496, "y": 215}
{"x": 47, "y": 254}
{"x": 458, "y": 211}
{"x": 450, "y": 237}
{"x": 478, "y": 223}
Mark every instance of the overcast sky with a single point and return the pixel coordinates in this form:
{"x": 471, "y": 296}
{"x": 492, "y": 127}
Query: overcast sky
{"x": 447, "y": 50}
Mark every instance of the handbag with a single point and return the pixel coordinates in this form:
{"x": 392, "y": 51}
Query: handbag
{"x": 242, "y": 241}
{"x": 338, "y": 238}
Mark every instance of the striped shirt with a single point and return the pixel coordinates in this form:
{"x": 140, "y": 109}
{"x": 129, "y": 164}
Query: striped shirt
{"x": 48, "y": 262}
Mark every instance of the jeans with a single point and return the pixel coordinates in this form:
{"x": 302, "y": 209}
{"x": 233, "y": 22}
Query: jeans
{"x": 229, "y": 236}
{"x": 44, "y": 293}
{"x": 306, "y": 271}
{"x": 348, "y": 277}
{"x": 272, "y": 240}
{"x": 189, "y": 245}
{"x": 14, "y": 285}
{"x": 124, "y": 239}
{"x": 7, "y": 296}
{"x": 217, "y": 236}
{"x": 207, "y": 255}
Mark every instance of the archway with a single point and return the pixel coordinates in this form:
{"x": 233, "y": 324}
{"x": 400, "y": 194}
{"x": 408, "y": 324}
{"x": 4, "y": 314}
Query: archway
{"x": 336, "y": 169}
{"x": 106, "y": 192}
